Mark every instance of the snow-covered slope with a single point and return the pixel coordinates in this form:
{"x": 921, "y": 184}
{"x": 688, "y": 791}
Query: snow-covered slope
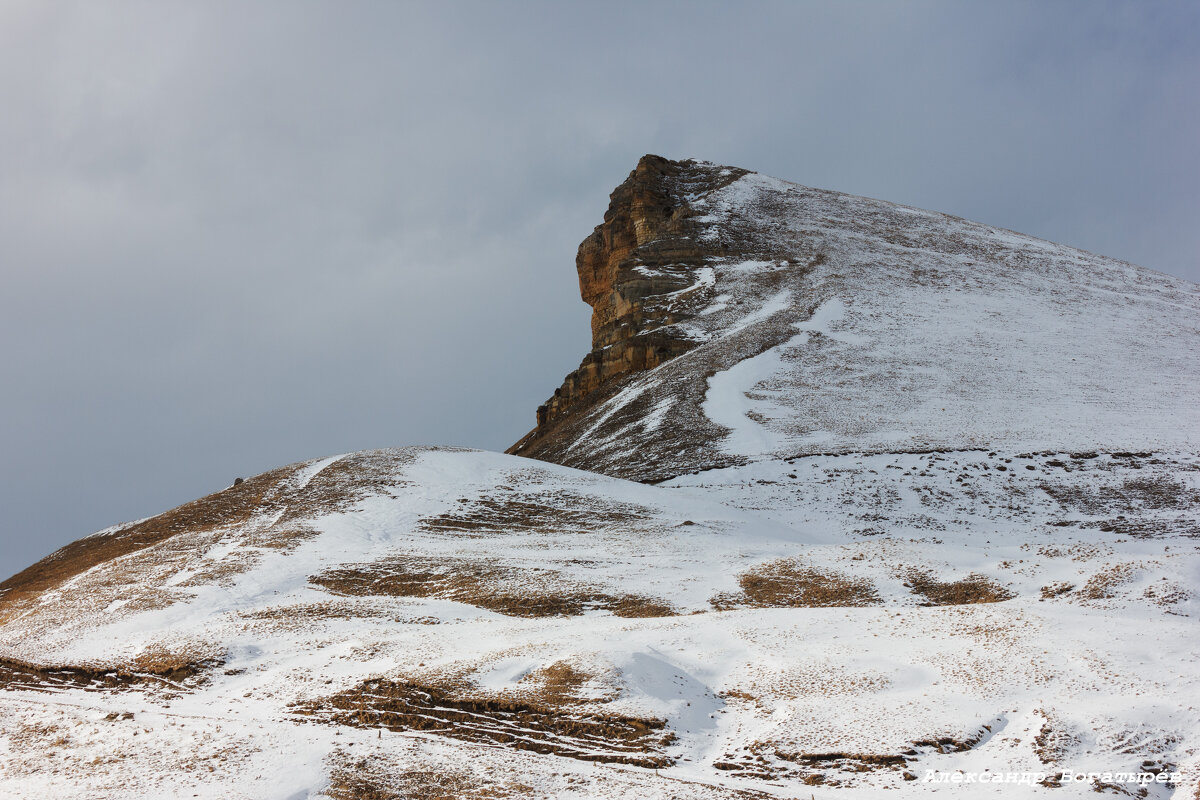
{"x": 823, "y": 322}
{"x": 483, "y": 625}
{"x": 932, "y": 521}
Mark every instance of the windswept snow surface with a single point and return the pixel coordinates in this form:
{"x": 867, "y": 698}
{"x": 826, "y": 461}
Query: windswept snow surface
{"x": 827, "y": 673}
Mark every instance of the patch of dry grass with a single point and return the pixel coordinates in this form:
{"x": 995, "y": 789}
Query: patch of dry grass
{"x": 772, "y": 760}
{"x": 1153, "y": 492}
{"x": 560, "y": 684}
{"x": 540, "y": 727}
{"x": 342, "y": 484}
{"x": 787, "y": 583}
{"x": 530, "y": 592}
{"x": 544, "y": 512}
{"x": 974, "y": 588}
{"x": 229, "y": 507}
{"x": 1053, "y": 590}
{"x": 1103, "y": 585}
{"x": 156, "y": 669}
{"x": 376, "y": 778}
{"x": 1167, "y": 594}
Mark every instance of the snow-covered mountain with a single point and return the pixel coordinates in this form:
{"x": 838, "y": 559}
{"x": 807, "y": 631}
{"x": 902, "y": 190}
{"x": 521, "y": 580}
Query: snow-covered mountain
{"x": 931, "y": 518}
{"x": 796, "y": 321}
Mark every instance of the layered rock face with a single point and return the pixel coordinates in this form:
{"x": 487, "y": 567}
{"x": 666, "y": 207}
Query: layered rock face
{"x": 646, "y": 248}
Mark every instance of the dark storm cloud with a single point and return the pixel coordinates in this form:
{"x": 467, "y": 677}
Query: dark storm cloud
{"x": 237, "y": 235}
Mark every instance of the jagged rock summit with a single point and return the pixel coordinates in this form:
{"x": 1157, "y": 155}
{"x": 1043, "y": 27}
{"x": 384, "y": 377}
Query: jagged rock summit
{"x": 647, "y": 248}
{"x": 768, "y": 319}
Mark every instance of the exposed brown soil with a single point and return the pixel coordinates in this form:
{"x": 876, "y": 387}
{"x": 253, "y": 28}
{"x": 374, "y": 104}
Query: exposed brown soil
{"x": 974, "y": 588}
{"x": 531, "y": 592}
{"x": 379, "y": 778}
{"x": 541, "y": 728}
{"x": 950, "y": 744}
{"x": 1160, "y": 527}
{"x": 638, "y": 606}
{"x": 373, "y": 779}
{"x": 1054, "y": 590}
{"x": 302, "y": 614}
{"x": 769, "y": 761}
{"x": 765, "y": 762}
{"x": 559, "y": 684}
{"x": 547, "y": 512}
{"x": 154, "y": 673}
{"x": 788, "y": 584}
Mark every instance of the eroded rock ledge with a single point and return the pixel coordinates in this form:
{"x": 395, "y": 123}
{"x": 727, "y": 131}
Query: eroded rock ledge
{"x": 647, "y": 248}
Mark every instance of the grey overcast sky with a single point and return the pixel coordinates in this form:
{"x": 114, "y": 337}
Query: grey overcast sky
{"x": 236, "y": 235}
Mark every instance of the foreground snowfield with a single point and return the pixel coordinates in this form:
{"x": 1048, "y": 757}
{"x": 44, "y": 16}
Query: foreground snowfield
{"x": 444, "y": 623}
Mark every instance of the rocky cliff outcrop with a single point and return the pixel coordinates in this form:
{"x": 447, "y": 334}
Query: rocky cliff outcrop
{"x": 646, "y": 250}
{"x": 738, "y": 317}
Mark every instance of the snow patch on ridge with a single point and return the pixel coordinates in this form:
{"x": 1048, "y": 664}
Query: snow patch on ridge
{"x": 612, "y": 406}
{"x": 729, "y": 402}
{"x": 655, "y": 418}
{"x": 829, "y": 312}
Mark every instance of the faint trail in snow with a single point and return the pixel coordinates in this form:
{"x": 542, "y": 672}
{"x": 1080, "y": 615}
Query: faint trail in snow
{"x": 304, "y": 476}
